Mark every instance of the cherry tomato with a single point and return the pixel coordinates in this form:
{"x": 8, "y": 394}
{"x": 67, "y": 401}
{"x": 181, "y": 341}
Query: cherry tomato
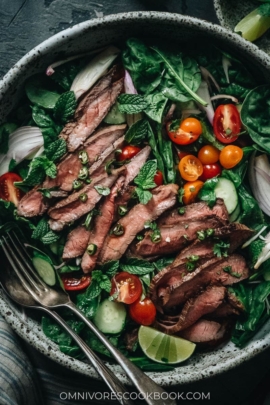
{"x": 8, "y": 191}
{"x": 227, "y": 123}
{"x": 143, "y": 312}
{"x": 230, "y": 156}
{"x": 208, "y": 154}
{"x": 188, "y": 131}
{"x": 158, "y": 178}
{"x": 126, "y": 287}
{"x": 190, "y": 168}
{"x": 72, "y": 283}
{"x": 191, "y": 190}
{"x": 210, "y": 171}
{"x": 128, "y": 152}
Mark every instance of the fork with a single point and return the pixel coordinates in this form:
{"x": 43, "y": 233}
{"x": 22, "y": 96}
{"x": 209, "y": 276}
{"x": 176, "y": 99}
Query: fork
{"x": 47, "y": 297}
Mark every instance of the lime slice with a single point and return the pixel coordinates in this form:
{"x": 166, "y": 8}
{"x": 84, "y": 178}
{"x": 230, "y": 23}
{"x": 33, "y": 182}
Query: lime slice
{"x": 164, "y": 348}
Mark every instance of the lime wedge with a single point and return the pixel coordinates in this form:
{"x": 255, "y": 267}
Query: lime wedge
{"x": 164, "y": 348}
{"x": 253, "y": 25}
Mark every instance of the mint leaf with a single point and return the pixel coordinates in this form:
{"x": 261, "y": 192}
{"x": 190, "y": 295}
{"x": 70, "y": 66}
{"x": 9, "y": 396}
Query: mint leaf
{"x": 102, "y": 190}
{"x": 50, "y": 168}
{"x": 131, "y": 103}
{"x": 65, "y": 107}
{"x": 105, "y": 284}
{"x": 41, "y": 229}
{"x": 145, "y": 178}
{"x": 143, "y": 195}
{"x": 39, "y": 168}
{"x": 110, "y": 268}
{"x": 137, "y": 266}
{"x": 137, "y": 133}
{"x": 207, "y": 192}
{"x": 164, "y": 262}
{"x": 50, "y": 135}
{"x": 93, "y": 290}
{"x": 37, "y": 94}
{"x": 50, "y": 237}
{"x": 156, "y": 105}
{"x": 56, "y": 150}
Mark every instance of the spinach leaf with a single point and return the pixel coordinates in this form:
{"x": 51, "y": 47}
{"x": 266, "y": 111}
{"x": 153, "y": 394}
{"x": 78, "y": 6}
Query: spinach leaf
{"x": 96, "y": 345}
{"x": 53, "y": 331}
{"x": 251, "y": 214}
{"x": 255, "y": 115}
{"x": 207, "y": 192}
{"x": 86, "y": 305}
{"x": 156, "y": 104}
{"x": 65, "y": 107}
{"x": 137, "y": 266}
{"x": 153, "y": 144}
{"x": 66, "y": 73}
{"x": 39, "y": 95}
{"x": 5, "y": 130}
{"x": 207, "y": 135}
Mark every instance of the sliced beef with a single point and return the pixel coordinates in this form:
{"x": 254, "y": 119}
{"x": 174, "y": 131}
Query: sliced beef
{"x": 102, "y": 226}
{"x": 76, "y": 243}
{"x": 205, "y": 332}
{"x": 72, "y": 208}
{"x": 131, "y": 339}
{"x": 174, "y": 287}
{"x": 236, "y": 233}
{"x": 91, "y": 111}
{"x": 235, "y": 302}
{"x": 225, "y": 310}
{"x": 135, "y": 164}
{"x": 175, "y": 237}
{"x": 164, "y": 197}
{"x": 32, "y": 204}
{"x": 123, "y": 199}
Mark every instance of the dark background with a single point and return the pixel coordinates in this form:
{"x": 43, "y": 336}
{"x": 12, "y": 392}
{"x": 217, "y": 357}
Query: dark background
{"x": 26, "y": 23}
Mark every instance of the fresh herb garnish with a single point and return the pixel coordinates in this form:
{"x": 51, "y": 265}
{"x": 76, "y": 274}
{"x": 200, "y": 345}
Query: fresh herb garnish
{"x": 220, "y": 249}
{"x": 145, "y": 181}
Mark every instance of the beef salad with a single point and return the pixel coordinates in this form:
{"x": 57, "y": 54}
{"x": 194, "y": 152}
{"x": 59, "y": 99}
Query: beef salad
{"x": 139, "y": 180}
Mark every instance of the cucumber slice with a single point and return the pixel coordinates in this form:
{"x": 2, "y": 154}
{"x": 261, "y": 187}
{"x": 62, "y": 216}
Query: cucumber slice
{"x": 114, "y": 116}
{"x": 226, "y": 190}
{"x": 110, "y": 317}
{"x": 235, "y": 214}
{"x": 43, "y": 266}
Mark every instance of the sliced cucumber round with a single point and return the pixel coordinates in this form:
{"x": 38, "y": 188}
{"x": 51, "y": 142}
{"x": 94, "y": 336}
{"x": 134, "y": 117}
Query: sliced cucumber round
{"x": 235, "y": 214}
{"x": 226, "y": 190}
{"x": 44, "y": 268}
{"x": 110, "y": 317}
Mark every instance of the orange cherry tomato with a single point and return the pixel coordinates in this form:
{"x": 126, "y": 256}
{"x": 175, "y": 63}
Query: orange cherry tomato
{"x": 208, "y": 155}
{"x": 185, "y": 132}
{"x": 143, "y": 312}
{"x": 191, "y": 190}
{"x": 190, "y": 168}
{"x": 126, "y": 287}
{"x": 230, "y": 156}
{"x": 158, "y": 178}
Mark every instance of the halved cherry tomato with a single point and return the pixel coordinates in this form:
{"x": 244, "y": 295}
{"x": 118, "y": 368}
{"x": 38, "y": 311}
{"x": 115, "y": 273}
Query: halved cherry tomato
{"x": 143, "y": 312}
{"x": 158, "y": 178}
{"x": 227, "y": 123}
{"x": 190, "y": 168}
{"x": 191, "y": 190}
{"x": 208, "y": 154}
{"x": 72, "y": 283}
{"x": 8, "y": 191}
{"x": 126, "y": 287}
{"x": 128, "y": 152}
{"x": 185, "y": 132}
{"x": 210, "y": 171}
{"x": 230, "y": 156}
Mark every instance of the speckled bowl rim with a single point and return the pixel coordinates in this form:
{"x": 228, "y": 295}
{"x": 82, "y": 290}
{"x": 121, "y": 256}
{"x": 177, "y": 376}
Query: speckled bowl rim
{"x": 219, "y": 14}
{"x": 200, "y": 366}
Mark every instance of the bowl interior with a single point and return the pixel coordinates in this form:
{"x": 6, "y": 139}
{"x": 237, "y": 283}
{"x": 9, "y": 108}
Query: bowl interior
{"x": 94, "y": 34}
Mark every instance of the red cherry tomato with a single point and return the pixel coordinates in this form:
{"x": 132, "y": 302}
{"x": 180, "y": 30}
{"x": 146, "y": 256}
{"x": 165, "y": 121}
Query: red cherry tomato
{"x": 8, "y": 191}
{"x": 158, "y": 178}
{"x": 143, "y": 312}
{"x": 185, "y": 132}
{"x": 227, "y": 123}
{"x": 126, "y": 287}
{"x": 210, "y": 171}
{"x": 72, "y": 283}
{"x": 128, "y": 152}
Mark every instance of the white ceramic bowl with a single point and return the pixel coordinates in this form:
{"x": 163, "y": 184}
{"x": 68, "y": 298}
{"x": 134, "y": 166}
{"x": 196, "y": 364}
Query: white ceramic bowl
{"x": 90, "y": 35}
{"x": 230, "y": 12}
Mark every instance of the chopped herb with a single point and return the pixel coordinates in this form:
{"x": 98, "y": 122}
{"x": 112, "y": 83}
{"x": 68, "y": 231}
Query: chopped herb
{"x": 91, "y": 249}
{"x": 156, "y": 236}
{"x": 186, "y": 236}
{"x": 181, "y": 211}
{"x": 77, "y": 184}
{"x": 193, "y": 258}
{"x": 83, "y": 156}
{"x": 221, "y": 249}
{"x": 190, "y": 266}
{"x": 209, "y": 232}
{"x": 46, "y": 192}
{"x": 200, "y": 235}
{"x": 139, "y": 237}
{"x": 228, "y": 269}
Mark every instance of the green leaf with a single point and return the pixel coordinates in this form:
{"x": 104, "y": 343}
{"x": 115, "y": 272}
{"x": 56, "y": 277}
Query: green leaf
{"x": 56, "y": 150}
{"x": 110, "y": 268}
{"x": 143, "y": 195}
{"x": 156, "y": 105}
{"x": 41, "y": 117}
{"x": 207, "y": 192}
{"x": 153, "y": 144}
{"x": 5, "y": 130}
{"x": 86, "y": 305}
{"x": 131, "y": 103}
{"x": 93, "y": 290}
{"x": 39, "y": 95}
{"x": 264, "y": 10}
{"x": 137, "y": 266}
{"x": 102, "y": 190}
{"x": 50, "y": 135}
{"x": 41, "y": 229}
{"x": 145, "y": 177}
{"x": 50, "y": 237}
{"x": 220, "y": 249}
{"x": 162, "y": 263}
{"x": 65, "y": 107}
{"x": 105, "y": 284}
{"x": 137, "y": 133}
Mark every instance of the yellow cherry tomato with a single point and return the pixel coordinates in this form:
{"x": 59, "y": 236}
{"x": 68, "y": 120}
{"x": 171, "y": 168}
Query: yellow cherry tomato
{"x": 230, "y": 156}
{"x": 208, "y": 155}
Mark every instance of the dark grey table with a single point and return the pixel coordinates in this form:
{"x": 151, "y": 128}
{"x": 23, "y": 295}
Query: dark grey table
{"x": 26, "y": 23}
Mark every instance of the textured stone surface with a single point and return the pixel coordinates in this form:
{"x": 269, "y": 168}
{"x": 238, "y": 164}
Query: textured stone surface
{"x": 26, "y": 23}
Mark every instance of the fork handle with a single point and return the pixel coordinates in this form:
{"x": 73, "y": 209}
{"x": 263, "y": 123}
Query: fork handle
{"x": 152, "y": 393}
{"x": 107, "y": 375}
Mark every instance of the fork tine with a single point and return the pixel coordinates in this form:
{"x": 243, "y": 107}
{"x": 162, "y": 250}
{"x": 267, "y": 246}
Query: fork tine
{"x": 20, "y": 269}
{"x": 29, "y": 267}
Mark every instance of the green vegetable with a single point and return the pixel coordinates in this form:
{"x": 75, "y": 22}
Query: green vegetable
{"x": 226, "y": 190}
{"x": 110, "y": 317}
{"x": 56, "y": 150}
{"x": 43, "y": 265}
{"x": 137, "y": 266}
{"x": 39, "y": 168}
{"x": 255, "y": 24}
{"x": 102, "y": 190}
{"x": 99, "y": 282}
{"x": 65, "y": 107}
{"x": 207, "y": 192}
{"x": 37, "y": 94}
{"x": 145, "y": 181}
{"x": 131, "y": 103}
{"x": 137, "y": 133}
{"x": 220, "y": 249}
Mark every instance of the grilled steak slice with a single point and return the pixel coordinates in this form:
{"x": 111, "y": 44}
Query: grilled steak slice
{"x": 72, "y": 208}
{"x": 32, "y": 204}
{"x": 207, "y": 332}
{"x": 93, "y": 108}
{"x": 223, "y": 311}
{"x": 175, "y": 237}
{"x": 76, "y": 243}
{"x": 102, "y": 226}
{"x": 164, "y": 197}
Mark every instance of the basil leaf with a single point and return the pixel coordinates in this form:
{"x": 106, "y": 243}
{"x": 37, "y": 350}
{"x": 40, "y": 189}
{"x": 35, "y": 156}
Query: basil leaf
{"x": 131, "y": 103}
{"x": 65, "y": 107}
{"x": 137, "y": 266}
{"x": 143, "y": 195}
{"x": 102, "y": 190}
{"x": 145, "y": 177}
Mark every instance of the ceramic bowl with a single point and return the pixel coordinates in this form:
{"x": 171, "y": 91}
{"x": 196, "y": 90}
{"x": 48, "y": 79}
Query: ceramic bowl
{"x": 230, "y": 12}
{"x": 97, "y": 33}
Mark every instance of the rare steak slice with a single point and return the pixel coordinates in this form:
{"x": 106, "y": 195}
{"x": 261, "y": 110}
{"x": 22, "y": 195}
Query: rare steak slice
{"x": 164, "y": 197}
{"x": 73, "y": 208}
{"x": 76, "y": 243}
{"x": 32, "y": 204}
{"x": 207, "y": 333}
{"x": 135, "y": 164}
{"x": 102, "y": 224}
